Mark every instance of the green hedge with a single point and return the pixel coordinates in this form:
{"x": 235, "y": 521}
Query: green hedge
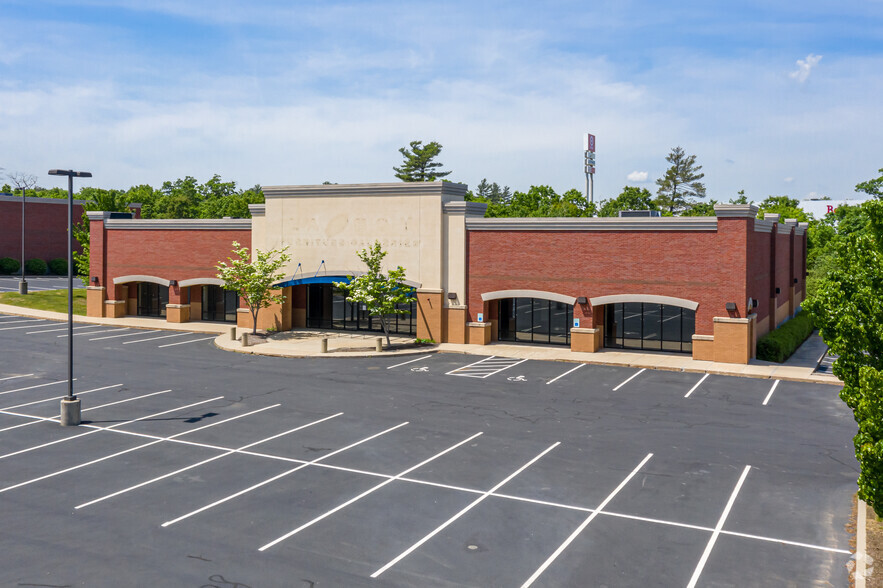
{"x": 9, "y": 265}
{"x": 58, "y": 266}
{"x": 36, "y": 266}
{"x": 778, "y": 345}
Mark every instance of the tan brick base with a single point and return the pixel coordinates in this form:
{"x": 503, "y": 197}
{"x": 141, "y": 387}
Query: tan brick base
{"x": 115, "y": 308}
{"x": 178, "y": 313}
{"x": 703, "y": 347}
{"x": 586, "y": 340}
{"x": 430, "y": 304}
{"x": 732, "y": 339}
{"x": 95, "y": 301}
{"x": 455, "y": 325}
{"x": 479, "y": 333}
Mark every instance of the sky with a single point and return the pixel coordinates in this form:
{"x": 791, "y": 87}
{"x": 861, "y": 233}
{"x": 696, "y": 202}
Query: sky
{"x": 773, "y": 98}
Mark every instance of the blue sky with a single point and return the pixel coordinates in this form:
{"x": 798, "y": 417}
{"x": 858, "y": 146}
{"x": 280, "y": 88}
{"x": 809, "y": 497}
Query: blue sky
{"x": 772, "y": 97}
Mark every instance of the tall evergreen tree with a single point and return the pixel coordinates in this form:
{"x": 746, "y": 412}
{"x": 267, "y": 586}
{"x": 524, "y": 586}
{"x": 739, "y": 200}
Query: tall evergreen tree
{"x": 418, "y": 165}
{"x": 680, "y": 182}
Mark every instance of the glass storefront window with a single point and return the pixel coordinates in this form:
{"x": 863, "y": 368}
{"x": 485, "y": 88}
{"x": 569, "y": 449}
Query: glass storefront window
{"x": 649, "y": 326}
{"x": 152, "y": 299}
{"x": 534, "y": 320}
{"x": 328, "y": 308}
{"x": 219, "y": 304}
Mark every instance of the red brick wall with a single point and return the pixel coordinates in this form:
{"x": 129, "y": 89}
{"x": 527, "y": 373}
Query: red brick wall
{"x": 758, "y": 280}
{"x": 706, "y": 267}
{"x": 45, "y": 228}
{"x": 783, "y": 263}
{"x": 169, "y": 254}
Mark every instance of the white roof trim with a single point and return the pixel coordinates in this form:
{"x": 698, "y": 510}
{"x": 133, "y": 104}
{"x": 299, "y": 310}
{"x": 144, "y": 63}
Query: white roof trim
{"x": 528, "y": 294}
{"x": 200, "y": 282}
{"x": 652, "y": 298}
{"x": 139, "y": 278}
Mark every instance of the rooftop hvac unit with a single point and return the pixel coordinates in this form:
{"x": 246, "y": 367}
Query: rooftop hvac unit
{"x": 120, "y": 215}
{"x": 632, "y": 213}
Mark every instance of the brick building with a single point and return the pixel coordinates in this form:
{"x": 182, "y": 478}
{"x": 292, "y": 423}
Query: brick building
{"x": 45, "y": 227}
{"x": 708, "y": 286}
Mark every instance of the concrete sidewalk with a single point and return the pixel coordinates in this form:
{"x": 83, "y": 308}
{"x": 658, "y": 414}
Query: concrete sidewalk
{"x": 307, "y": 343}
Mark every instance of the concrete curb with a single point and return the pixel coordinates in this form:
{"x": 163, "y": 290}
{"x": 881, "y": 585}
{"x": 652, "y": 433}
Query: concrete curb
{"x": 273, "y": 349}
{"x": 861, "y": 531}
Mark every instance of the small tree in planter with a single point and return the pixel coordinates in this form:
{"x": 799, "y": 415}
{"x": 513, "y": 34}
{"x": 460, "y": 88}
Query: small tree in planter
{"x": 253, "y": 280}
{"x": 380, "y": 294}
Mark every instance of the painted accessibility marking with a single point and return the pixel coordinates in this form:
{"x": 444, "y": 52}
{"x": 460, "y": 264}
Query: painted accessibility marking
{"x": 485, "y": 367}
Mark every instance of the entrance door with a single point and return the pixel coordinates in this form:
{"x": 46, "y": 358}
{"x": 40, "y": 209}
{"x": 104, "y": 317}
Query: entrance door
{"x": 219, "y": 304}
{"x": 650, "y": 327}
{"x": 152, "y": 299}
{"x": 328, "y": 308}
{"x": 534, "y": 320}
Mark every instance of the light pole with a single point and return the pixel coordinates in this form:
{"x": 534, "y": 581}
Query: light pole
{"x": 70, "y": 405}
{"x": 23, "y": 284}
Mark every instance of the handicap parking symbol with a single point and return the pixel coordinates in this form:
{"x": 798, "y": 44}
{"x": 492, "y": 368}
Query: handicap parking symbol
{"x": 420, "y": 369}
{"x": 517, "y": 379}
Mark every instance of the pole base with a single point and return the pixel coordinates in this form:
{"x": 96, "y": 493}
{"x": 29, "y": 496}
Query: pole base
{"x": 23, "y": 287}
{"x": 70, "y": 412}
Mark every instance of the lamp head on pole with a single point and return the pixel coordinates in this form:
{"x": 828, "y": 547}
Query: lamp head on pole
{"x": 70, "y": 173}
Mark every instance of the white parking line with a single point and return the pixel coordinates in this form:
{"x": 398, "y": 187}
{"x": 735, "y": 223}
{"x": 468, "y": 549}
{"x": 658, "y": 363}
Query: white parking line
{"x": 203, "y": 462}
{"x": 155, "y": 338}
{"x": 469, "y": 507}
{"x": 20, "y": 327}
{"x": 123, "y": 335}
{"x": 770, "y": 395}
{"x": 584, "y": 524}
{"x": 409, "y": 361}
{"x": 14, "y": 377}
{"x": 93, "y": 431}
{"x": 125, "y": 451}
{"x": 699, "y": 383}
{"x": 59, "y": 397}
{"x": 630, "y": 378}
{"x": 565, "y": 373}
{"x": 96, "y": 332}
{"x": 55, "y": 419}
{"x": 278, "y": 476}
{"x": 183, "y": 342}
{"x": 717, "y": 529}
{"x": 37, "y": 386}
{"x": 485, "y": 367}
{"x": 22, "y": 321}
{"x": 61, "y": 329}
{"x": 365, "y": 493}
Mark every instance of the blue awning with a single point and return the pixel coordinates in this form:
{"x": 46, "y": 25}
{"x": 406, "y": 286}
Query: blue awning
{"x": 313, "y": 280}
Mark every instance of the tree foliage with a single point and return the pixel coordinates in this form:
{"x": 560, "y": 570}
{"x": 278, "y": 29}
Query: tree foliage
{"x": 95, "y": 199}
{"x": 419, "y": 164}
{"x": 381, "y": 294}
{"x": 785, "y": 207}
{"x": 631, "y": 198}
{"x": 680, "y": 182}
{"x": 253, "y": 279}
{"x": 847, "y": 306}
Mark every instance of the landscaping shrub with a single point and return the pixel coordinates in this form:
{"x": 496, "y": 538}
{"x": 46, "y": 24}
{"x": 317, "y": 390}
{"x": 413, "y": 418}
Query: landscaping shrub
{"x": 58, "y": 266}
{"x": 778, "y": 345}
{"x": 9, "y": 265}
{"x": 36, "y": 266}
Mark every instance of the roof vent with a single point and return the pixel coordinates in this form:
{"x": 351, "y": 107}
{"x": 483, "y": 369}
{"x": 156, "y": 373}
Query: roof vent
{"x": 633, "y": 213}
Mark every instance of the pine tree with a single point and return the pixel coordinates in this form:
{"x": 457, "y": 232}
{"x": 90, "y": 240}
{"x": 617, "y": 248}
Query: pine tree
{"x": 419, "y": 165}
{"x": 680, "y": 182}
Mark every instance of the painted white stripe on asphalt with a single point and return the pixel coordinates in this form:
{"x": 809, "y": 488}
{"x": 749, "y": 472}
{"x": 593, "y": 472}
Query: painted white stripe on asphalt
{"x": 699, "y": 383}
{"x": 95, "y": 332}
{"x": 125, "y": 451}
{"x": 203, "y": 462}
{"x": 155, "y": 338}
{"x": 410, "y": 361}
{"x": 485, "y": 368}
{"x": 786, "y": 542}
{"x": 61, "y": 329}
{"x": 630, "y": 378}
{"x": 717, "y": 529}
{"x": 59, "y": 397}
{"x": 770, "y": 395}
{"x": 365, "y": 493}
{"x": 584, "y": 524}
{"x": 14, "y": 377}
{"x": 22, "y": 321}
{"x": 469, "y": 507}
{"x": 123, "y": 335}
{"x": 24, "y": 327}
{"x": 92, "y": 432}
{"x": 37, "y": 386}
{"x": 186, "y": 342}
{"x": 565, "y": 373}
{"x": 277, "y": 477}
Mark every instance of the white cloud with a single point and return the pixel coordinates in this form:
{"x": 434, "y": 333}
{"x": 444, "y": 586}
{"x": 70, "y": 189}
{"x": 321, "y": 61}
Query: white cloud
{"x": 789, "y": 179}
{"x": 637, "y": 176}
{"x": 804, "y": 66}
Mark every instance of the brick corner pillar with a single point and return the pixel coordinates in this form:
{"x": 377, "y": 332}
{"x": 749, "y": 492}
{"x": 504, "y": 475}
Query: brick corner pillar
{"x": 97, "y": 251}
{"x": 135, "y": 209}
{"x": 733, "y": 339}
{"x": 178, "y": 307}
{"x": 243, "y": 319}
{"x": 95, "y": 298}
{"x": 585, "y": 339}
{"x": 275, "y": 317}
{"x": 455, "y": 324}
{"x": 430, "y": 310}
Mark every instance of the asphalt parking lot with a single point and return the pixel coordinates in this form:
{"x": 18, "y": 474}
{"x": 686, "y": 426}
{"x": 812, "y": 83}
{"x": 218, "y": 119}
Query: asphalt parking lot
{"x": 197, "y": 467}
{"x": 37, "y": 283}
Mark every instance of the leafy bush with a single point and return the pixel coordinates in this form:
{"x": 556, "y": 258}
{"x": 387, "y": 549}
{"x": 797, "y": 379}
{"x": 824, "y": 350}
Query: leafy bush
{"x": 9, "y": 265}
{"x": 778, "y": 345}
{"x": 36, "y": 266}
{"x": 58, "y": 266}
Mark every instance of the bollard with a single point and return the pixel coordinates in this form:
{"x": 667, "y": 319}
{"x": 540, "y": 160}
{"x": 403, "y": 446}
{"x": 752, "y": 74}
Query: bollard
{"x": 324, "y": 348}
{"x": 232, "y": 333}
{"x": 379, "y": 345}
{"x": 23, "y": 287}
{"x": 246, "y": 339}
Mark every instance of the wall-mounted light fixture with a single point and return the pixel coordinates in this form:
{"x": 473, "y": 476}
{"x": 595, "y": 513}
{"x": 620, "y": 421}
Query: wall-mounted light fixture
{"x": 173, "y": 282}
{"x": 754, "y": 305}
{"x": 795, "y": 280}
{"x": 731, "y": 306}
{"x": 94, "y": 279}
{"x": 778, "y": 291}
{"x": 582, "y": 300}
{"x": 452, "y": 295}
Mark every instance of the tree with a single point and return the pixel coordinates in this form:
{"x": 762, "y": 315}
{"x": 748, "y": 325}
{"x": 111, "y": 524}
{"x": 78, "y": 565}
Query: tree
{"x": 419, "y": 165}
{"x": 785, "y": 207}
{"x": 847, "y": 307}
{"x": 382, "y": 295}
{"x": 681, "y": 181}
{"x": 253, "y": 280}
{"x": 872, "y": 187}
{"x": 631, "y": 198}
